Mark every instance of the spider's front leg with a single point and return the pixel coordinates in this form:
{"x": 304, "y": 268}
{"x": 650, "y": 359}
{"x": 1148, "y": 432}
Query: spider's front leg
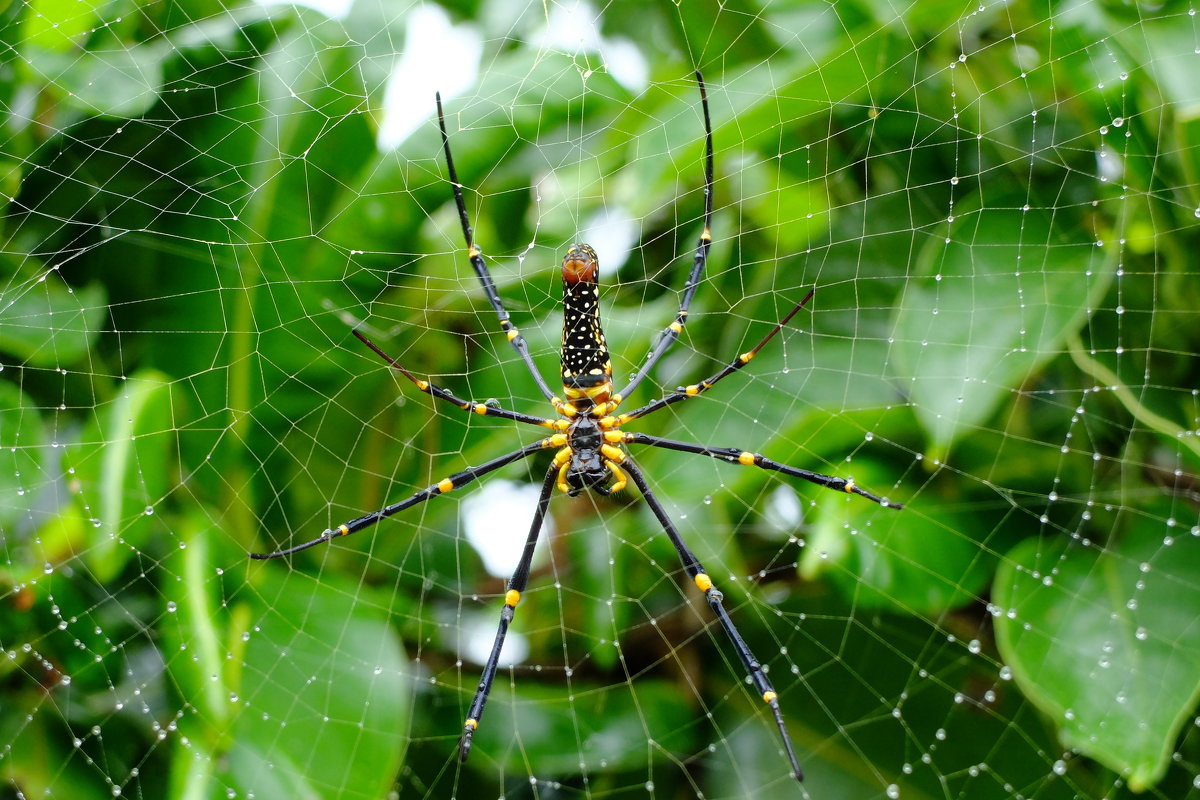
{"x": 669, "y": 334}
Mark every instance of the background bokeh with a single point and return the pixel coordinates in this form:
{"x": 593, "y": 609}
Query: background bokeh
{"x": 999, "y": 205}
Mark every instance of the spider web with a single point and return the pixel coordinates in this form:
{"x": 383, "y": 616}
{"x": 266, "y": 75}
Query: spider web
{"x": 997, "y": 203}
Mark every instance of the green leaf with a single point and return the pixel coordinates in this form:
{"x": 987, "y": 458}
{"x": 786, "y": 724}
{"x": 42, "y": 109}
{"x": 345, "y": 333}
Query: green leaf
{"x": 121, "y": 468}
{"x": 1105, "y": 641}
{"x": 22, "y": 439}
{"x": 918, "y": 560}
{"x": 47, "y": 324}
{"x": 59, "y": 25}
{"x": 325, "y": 694}
{"x": 986, "y": 310}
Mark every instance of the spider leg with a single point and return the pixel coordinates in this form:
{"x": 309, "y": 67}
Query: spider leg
{"x": 715, "y": 601}
{"x": 443, "y": 486}
{"x": 735, "y": 456}
{"x": 466, "y": 405}
{"x": 477, "y": 262}
{"x": 516, "y": 585}
{"x": 685, "y": 392}
{"x": 672, "y": 331}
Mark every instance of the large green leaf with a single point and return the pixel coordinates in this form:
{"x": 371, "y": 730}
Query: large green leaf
{"x": 47, "y": 324}
{"x": 1105, "y": 641}
{"x": 990, "y": 304}
{"x": 325, "y": 695}
{"x": 121, "y": 469}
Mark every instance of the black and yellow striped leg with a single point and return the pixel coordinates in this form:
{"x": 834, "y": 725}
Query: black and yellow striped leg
{"x": 685, "y": 392}
{"x": 466, "y": 405}
{"x": 516, "y": 585}
{"x": 477, "y": 263}
{"x": 735, "y": 456}
{"x": 715, "y": 599}
{"x": 672, "y": 331}
{"x": 455, "y": 481}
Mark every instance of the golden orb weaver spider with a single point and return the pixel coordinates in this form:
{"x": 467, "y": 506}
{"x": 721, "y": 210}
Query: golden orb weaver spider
{"x": 587, "y": 432}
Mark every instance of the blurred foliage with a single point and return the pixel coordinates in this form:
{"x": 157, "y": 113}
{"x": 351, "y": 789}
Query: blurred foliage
{"x": 997, "y": 203}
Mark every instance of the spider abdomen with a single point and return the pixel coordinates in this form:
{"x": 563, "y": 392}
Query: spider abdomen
{"x": 586, "y": 365}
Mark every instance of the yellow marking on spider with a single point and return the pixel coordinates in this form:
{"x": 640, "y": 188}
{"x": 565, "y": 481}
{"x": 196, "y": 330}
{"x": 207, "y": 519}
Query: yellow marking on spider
{"x": 445, "y": 485}
{"x": 563, "y": 486}
{"x": 513, "y": 333}
{"x": 557, "y": 440}
{"x": 692, "y": 391}
{"x": 849, "y": 487}
{"x": 675, "y": 326}
{"x": 703, "y": 582}
{"x": 481, "y": 408}
{"x": 612, "y": 453}
{"x": 604, "y": 409}
{"x": 745, "y": 357}
{"x": 608, "y": 423}
{"x": 618, "y": 475}
{"x": 423, "y": 386}
{"x": 707, "y": 235}
{"x": 511, "y": 598}
{"x": 473, "y": 251}
{"x": 769, "y": 697}
{"x": 343, "y": 529}
{"x": 471, "y": 724}
{"x": 747, "y": 459}
{"x": 614, "y": 437}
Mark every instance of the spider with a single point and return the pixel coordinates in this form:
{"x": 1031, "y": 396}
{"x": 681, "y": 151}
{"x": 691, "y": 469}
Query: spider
{"x": 587, "y": 432}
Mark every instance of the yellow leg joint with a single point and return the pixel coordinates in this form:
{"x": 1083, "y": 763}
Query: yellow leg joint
{"x": 769, "y": 697}
{"x": 563, "y": 486}
{"x": 692, "y": 391}
{"x": 745, "y": 357}
{"x": 423, "y": 386}
{"x": 472, "y": 251}
{"x": 480, "y": 408}
{"x": 613, "y": 437}
{"x": 612, "y": 453}
{"x": 618, "y": 474}
{"x": 512, "y": 333}
{"x": 849, "y": 487}
{"x": 472, "y": 724}
{"x": 445, "y": 485}
{"x": 747, "y": 459}
{"x": 343, "y": 530}
{"x": 703, "y": 582}
{"x": 512, "y": 597}
{"x": 675, "y": 326}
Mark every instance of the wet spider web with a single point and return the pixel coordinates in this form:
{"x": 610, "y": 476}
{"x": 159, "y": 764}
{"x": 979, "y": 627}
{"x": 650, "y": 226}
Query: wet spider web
{"x": 998, "y": 205}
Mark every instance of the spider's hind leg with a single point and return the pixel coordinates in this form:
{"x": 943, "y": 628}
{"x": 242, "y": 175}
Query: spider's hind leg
{"x": 715, "y": 599}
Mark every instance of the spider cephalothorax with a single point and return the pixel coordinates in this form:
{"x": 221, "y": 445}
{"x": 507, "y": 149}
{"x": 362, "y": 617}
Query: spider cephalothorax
{"x": 587, "y": 437}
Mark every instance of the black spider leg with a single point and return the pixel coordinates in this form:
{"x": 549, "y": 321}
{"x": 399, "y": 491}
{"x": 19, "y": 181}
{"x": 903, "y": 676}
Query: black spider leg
{"x": 455, "y": 481}
{"x": 686, "y": 392}
{"x": 482, "y": 409}
{"x": 735, "y": 456}
{"x": 485, "y": 277}
{"x": 516, "y": 585}
{"x": 695, "y": 571}
{"x": 672, "y": 331}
